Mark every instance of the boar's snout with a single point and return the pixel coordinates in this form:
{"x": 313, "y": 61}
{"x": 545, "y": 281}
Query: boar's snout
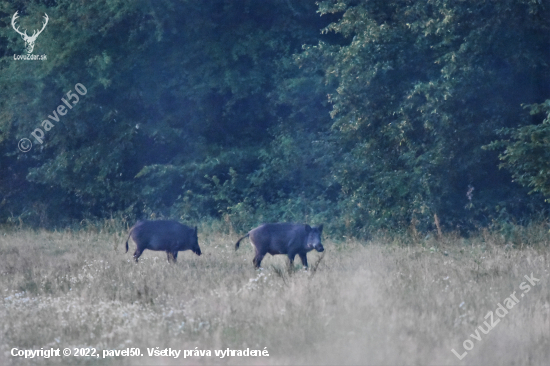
{"x": 314, "y": 238}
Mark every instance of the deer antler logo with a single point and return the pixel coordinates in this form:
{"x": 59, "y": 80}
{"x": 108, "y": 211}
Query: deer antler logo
{"x": 29, "y": 41}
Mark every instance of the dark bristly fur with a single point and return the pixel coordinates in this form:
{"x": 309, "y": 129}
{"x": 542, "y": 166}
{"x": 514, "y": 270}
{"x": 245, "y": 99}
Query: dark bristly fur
{"x": 166, "y": 235}
{"x": 283, "y": 238}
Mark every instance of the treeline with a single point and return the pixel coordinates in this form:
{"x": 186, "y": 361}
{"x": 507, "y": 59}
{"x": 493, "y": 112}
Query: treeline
{"x": 358, "y": 114}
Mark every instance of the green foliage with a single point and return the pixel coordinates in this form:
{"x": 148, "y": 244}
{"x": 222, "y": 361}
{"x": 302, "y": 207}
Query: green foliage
{"x": 290, "y": 183}
{"x": 177, "y": 92}
{"x": 421, "y": 86}
{"x": 527, "y": 151}
{"x": 219, "y": 109}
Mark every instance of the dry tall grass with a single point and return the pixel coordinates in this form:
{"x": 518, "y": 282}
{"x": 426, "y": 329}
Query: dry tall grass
{"x": 375, "y": 303}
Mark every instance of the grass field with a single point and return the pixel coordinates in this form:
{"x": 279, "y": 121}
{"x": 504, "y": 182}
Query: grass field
{"x": 387, "y": 301}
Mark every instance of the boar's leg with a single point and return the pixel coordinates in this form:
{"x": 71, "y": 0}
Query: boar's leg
{"x": 258, "y": 259}
{"x": 171, "y": 256}
{"x": 303, "y": 257}
{"x": 137, "y": 254}
{"x": 291, "y": 258}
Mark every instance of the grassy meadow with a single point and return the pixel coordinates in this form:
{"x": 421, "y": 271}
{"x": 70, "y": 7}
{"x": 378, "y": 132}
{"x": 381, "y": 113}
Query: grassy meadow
{"x": 387, "y": 301}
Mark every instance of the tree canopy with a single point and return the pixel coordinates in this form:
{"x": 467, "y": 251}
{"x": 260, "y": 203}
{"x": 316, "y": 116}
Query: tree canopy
{"x": 360, "y": 114}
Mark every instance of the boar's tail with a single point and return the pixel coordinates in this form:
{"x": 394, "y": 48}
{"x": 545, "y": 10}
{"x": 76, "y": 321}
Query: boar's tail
{"x": 239, "y": 241}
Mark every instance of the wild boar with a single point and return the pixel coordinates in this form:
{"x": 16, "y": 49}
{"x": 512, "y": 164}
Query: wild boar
{"x": 282, "y": 238}
{"x": 166, "y": 235}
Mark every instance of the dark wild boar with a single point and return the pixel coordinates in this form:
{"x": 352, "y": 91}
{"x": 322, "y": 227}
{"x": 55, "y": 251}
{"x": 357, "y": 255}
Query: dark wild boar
{"x": 166, "y": 235}
{"x": 289, "y": 239}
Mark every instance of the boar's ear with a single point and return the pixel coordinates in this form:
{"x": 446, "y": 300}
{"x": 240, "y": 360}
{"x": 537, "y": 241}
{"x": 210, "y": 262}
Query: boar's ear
{"x": 196, "y": 231}
{"x": 320, "y": 228}
{"x": 308, "y": 229}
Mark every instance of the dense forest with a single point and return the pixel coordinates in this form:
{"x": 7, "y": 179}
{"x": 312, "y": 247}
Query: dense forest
{"x": 363, "y": 114}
